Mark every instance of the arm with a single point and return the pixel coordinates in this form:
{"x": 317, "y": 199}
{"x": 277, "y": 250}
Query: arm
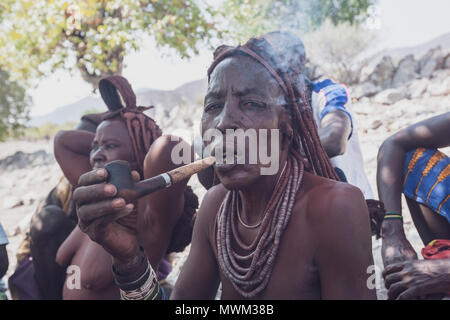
{"x": 335, "y": 128}
{"x": 430, "y": 133}
{"x": 164, "y": 207}
{"x": 4, "y": 262}
{"x": 199, "y": 277}
{"x": 416, "y": 279}
{"x": 99, "y": 207}
{"x": 72, "y": 150}
{"x": 344, "y": 251}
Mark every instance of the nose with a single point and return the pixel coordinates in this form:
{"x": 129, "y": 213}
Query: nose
{"x": 98, "y": 155}
{"x": 228, "y": 117}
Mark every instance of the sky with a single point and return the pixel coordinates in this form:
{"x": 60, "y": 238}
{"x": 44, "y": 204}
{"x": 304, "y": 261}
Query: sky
{"x": 400, "y": 23}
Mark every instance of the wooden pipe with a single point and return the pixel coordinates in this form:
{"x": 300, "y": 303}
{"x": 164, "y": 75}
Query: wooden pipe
{"x": 119, "y": 174}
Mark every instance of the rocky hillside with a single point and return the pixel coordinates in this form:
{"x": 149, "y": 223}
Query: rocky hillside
{"x": 185, "y": 95}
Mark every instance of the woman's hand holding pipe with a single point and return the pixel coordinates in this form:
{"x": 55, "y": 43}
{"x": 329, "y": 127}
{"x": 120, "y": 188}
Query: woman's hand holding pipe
{"x": 99, "y": 212}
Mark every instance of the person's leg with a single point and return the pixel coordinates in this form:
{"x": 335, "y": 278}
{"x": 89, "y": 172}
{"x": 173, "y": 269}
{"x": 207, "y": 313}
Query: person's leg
{"x": 49, "y": 228}
{"x": 429, "y": 224}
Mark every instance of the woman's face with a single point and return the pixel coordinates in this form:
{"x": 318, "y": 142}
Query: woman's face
{"x": 111, "y": 142}
{"x": 242, "y": 94}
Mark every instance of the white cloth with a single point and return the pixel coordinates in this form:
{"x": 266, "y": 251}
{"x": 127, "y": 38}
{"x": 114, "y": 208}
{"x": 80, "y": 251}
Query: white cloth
{"x": 351, "y": 162}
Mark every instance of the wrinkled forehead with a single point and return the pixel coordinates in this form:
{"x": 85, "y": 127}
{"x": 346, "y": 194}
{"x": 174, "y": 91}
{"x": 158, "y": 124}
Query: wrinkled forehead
{"x": 112, "y": 129}
{"x": 242, "y": 72}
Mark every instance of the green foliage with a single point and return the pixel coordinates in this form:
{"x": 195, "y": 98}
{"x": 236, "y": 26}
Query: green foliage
{"x": 337, "y": 48}
{"x": 46, "y": 131}
{"x": 247, "y": 18}
{"x": 92, "y": 110}
{"x": 14, "y": 107}
{"x": 40, "y": 36}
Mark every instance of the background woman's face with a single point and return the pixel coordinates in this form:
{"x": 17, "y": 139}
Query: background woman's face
{"x": 242, "y": 94}
{"x": 111, "y": 142}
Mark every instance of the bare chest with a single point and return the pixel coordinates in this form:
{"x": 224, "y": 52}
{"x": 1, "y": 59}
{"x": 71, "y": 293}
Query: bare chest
{"x": 93, "y": 265}
{"x": 293, "y": 275}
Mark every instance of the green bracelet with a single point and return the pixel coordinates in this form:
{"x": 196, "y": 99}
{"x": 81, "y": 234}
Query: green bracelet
{"x": 393, "y": 215}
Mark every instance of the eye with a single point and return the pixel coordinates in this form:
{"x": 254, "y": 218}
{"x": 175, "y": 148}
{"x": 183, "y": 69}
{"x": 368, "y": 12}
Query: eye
{"x": 254, "y": 104}
{"x": 109, "y": 146}
{"x": 213, "y": 106}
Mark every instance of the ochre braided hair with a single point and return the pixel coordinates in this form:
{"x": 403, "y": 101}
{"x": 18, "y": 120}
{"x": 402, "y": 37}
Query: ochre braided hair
{"x": 120, "y": 98}
{"x": 118, "y": 95}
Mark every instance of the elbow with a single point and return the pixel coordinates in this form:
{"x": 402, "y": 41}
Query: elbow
{"x": 386, "y": 147}
{"x": 335, "y": 147}
{"x": 58, "y": 141}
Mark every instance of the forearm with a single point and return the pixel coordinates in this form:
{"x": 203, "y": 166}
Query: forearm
{"x": 74, "y": 141}
{"x": 389, "y": 174}
{"x": 71, "y": 149}
{"x": 334, "y": 130}
{"x": 332, "y": 141}
{"x": 389, "y": 182}
{"x": 136, "y": 278}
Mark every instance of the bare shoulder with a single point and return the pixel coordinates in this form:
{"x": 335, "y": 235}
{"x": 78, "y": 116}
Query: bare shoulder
{"x": 329, "y": 202}
{"x": 167, "y": 151}
{"x": 163, "y": 155}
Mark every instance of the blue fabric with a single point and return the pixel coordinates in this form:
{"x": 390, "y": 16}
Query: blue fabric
{"x": 336, "y": 98}
{"x": 3, "y": 287}
{"x": 3, "y": 237}
{"x": 421, "y": 186}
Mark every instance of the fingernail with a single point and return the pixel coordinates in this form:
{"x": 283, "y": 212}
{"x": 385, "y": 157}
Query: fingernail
{"x": 118, "y": 203}
{"x": 130, "y": 206}
{"x": 110, "y": 189}
{"x": 101, "y": 172}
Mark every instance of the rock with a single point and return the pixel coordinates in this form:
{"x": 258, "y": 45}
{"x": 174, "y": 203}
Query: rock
{"x": 376, "y": 124}
{"x": 446, "y": 64}
{"x": 405, "y": 72}
{"x": 441, "y": 74}
{"x": 30, "y": 197}
{"x": 21, "y": 160}
{"x": 390, "y": 96}
{"x": 439, "y": 88}
{"x": 383, "y": 73}
{"x": 418, "y": 88}
{"x": 12, "y": 202}
{"x": 431, "y": 61}
{"x": 366, "y": 89}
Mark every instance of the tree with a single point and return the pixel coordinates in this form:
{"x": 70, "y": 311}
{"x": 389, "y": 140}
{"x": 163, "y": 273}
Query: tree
{"x": 337, "y": 49}
{"x": 14, "y": 106}
{"x": 40, "y": 36}
{"x": 249, "y": 18}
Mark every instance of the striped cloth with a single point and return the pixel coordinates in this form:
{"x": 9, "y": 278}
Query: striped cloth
{"x": 426, "y": 179}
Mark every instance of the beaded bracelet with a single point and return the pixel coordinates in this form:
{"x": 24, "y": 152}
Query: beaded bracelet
{"x": 142, "y": 285}
{"x": 150, "y": 290}
{"x": 393, "y": 215}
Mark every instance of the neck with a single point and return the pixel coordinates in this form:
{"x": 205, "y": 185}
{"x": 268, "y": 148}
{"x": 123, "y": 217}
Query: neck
{"x": 254, "y": 199}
